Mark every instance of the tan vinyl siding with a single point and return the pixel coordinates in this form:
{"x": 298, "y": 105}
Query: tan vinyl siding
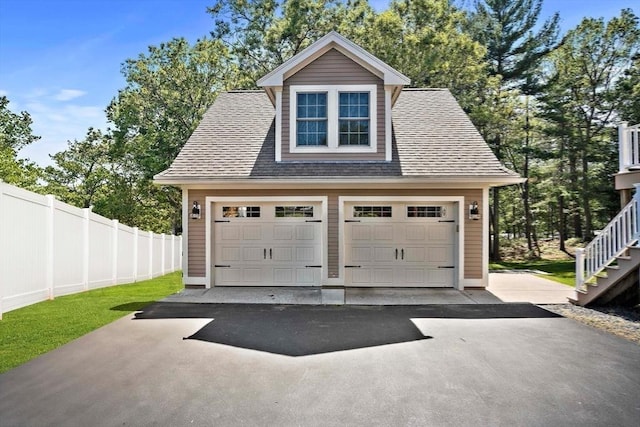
{"x": 196, "y": 261}
{"x": 472, "y": 229}
{"x": 333, "y": 233}
{"x": 333, "y": 68}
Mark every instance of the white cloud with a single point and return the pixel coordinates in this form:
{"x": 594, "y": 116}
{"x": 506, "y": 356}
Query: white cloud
{"x": 4, "y": 93}
{"x": 68, "y": 94}
{"x": 57, "y": 124}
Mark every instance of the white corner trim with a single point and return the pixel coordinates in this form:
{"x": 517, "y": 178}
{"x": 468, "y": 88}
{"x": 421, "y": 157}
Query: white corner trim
{"x": 388, "y": 140}
{"x": 459, "y": 200}
{"x": 210, "y": 200}
{"x": 278, "y": 123}
{"x": 485, "y": 237}
{"x": 332, "y": 118}
{"x": 185, "y": 233}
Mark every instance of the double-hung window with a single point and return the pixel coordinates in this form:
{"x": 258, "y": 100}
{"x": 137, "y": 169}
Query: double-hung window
{"x": 340, "y": 118}
{"x": 353, "y": 119}
{"x": 312, "y": 119}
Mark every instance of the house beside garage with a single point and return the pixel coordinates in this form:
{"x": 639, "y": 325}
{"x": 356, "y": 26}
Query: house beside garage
{"x": 336, "y": 175}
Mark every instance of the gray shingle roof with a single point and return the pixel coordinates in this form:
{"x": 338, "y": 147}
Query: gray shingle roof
{"x": 433, "y": 138}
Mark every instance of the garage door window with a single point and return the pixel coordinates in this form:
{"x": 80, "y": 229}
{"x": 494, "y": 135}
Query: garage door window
{"x": 241, "y": 211}
{"x": 372, "y": 211}
{"x": 294, "y": 211}
{"x": 426, "y": 212}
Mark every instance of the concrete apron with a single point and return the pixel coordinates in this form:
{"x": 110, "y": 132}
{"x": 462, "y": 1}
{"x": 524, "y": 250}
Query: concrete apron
{"x": 503, "y": 288}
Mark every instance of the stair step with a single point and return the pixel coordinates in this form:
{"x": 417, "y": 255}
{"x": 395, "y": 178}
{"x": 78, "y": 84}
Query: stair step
{"x": 623, "y": 258}
{"x": 612, "y": 267}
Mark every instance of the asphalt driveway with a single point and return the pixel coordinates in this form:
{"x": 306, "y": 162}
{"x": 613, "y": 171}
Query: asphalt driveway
{"x": 453, "y": 365}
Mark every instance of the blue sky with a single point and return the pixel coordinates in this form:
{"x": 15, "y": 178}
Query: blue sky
{"x": 60, "y": 59}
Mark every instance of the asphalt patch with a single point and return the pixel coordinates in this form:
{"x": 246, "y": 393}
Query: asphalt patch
{"x": 302, "y": 330}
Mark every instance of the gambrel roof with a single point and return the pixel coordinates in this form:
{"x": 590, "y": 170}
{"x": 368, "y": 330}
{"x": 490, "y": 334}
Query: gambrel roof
{"x": 433, "y": 142}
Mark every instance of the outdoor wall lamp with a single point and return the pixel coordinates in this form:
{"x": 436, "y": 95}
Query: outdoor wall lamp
{"x": 195, "y": 210}
{"x": 474, "y": 212}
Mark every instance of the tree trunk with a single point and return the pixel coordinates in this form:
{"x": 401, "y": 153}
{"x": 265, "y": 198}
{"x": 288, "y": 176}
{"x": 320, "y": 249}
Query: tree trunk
{"x": 562, "y": 224}
{"x": 525, "y": 185}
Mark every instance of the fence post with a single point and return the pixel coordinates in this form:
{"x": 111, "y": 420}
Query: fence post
{"x": 2, "y": 248}
{"x": 579, "y": 268}
{"x": 173, "y": 253}
{"x": 163, "y": 253}
{"x": 151, "y": 254}
{"x": 49, "y": 243}
{"x": 86, "y": 220}
{"x": 135, "y": 254}
{"x": 114, "y": 253}
{"x": 623, "y": 147}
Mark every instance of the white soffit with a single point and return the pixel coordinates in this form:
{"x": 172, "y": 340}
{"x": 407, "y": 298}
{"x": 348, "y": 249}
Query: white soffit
{"x": 334, "y": 40}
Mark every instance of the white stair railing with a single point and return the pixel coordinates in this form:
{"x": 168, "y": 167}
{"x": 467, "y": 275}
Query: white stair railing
{"x": 613, "y": 240}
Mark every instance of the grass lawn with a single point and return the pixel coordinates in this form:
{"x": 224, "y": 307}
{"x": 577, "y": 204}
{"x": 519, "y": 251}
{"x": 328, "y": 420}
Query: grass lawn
{"x": 28, "y": 332}
{"x": 562, "y": 271}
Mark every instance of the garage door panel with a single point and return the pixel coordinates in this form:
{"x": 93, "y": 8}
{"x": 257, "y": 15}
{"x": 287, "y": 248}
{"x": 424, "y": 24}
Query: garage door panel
{"x": 439, "y": 232}
{"x": 358, "y": 254}
{"x": 441, "y": 277}
{"x": 306, "y": 232}
{"x": 441, "y": 255}
{"x": 360, "y": 232}
{"x": 307, "y": 276}
{"x": 268, "y": 249}
{"x": 415, "y": 276}
{"x": 384, "y": 254}
{"x": 383, "y": 232}
{"x": 252, "y": 254}
{"x": 230, "y": 275}
{"x": 305, "y": 254}
{"x": 230, "y": 253}
{"x": 228, "y": 232}
{"x": 359, "y": 276}
{"x": 283, "y": 232}
{"x": 406, "y": 249}
{"x": 415, "y": 254}
{"x": 252, "y": 232}
{"x": 383, "y": 276}
{"x": 282, "y": 254}
{"x": 414, "y": 232}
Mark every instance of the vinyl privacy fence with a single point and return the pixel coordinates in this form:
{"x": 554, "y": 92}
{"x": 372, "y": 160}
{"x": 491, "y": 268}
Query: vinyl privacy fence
{"x": 49, "y": 248}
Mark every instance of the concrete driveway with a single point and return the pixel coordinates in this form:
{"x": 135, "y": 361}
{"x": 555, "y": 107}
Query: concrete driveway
{"x": 441, "y": 365}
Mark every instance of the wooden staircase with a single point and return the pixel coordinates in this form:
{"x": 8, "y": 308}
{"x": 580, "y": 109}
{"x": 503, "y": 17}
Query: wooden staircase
{"x": 614, "y": 280}
{"x": 607, "y": 268}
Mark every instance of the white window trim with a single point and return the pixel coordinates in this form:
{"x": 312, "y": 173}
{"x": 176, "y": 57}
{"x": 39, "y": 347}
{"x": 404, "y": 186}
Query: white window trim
{"x": 332, "y": 119}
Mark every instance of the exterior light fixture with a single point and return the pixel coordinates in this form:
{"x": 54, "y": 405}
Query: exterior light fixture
{"x": 195, "y": 210}
{"x": 474, "y": 212}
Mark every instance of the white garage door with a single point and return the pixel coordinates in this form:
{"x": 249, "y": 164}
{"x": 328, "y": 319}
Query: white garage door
{"x": 267, "y": 244}
{"x": 400, "y": 244}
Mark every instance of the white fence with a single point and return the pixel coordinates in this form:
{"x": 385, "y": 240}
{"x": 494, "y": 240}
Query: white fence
{"x": 49, "y": 248}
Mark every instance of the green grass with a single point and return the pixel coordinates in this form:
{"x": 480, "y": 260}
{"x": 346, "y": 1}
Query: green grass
{"x": 563, "y": 271}
{"x": 28, "y": 332}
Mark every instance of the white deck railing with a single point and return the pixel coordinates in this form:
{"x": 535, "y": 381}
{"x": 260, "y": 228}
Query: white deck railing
{"x": 629, "y": 146}
{"x": 613, "y": 240}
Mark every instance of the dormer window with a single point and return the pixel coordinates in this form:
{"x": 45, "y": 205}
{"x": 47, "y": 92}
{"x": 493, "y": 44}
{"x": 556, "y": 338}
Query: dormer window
{"x": 312, "y": 119}
{"x": 340, "y": 118}
{"x": 354, "y": 119}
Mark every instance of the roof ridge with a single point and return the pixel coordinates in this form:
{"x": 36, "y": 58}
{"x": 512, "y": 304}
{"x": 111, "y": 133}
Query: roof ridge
{"x": 424, "y": 89}
{"x": 244, "y": 91}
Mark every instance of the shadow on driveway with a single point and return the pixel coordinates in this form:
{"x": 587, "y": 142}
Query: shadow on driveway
{"x": 294, "y": 330}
